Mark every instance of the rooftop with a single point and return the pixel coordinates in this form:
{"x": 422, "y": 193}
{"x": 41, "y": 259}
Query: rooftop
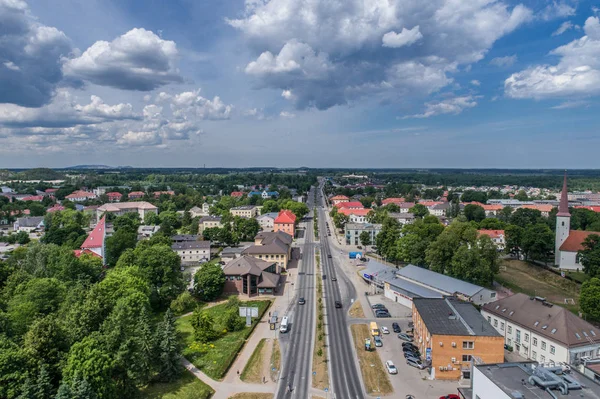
{"x": 362, "y": 226}
{"x": 438, "y": 281}
{"x": 574, "y": 241}
{"x": 246, "y": 265}
{"x": 31, "y": 221}
{"x": 184, "y": 237}
{"x": 96, "y": 237}
{"x": 191, "y": 245}
{"x": 285, "y": 216}
{"x": 118, "y": 206}
{"x": 450, "y": 316}
{"x": 243, "y": 208}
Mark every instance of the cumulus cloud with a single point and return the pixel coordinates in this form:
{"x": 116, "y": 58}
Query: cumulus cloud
{"x": 140, "y": 138}
{"x": 192, "y": 104}
{"x": 30, "y": 56}
{"x": 449, "y": 106}
{"x": 557, "y": 9}
{"x": 475, "y": 82}
{"x": 565, "y": 26}
{"x": 137, "y": 60}
{"x": 576, "y": 74}
{"x": 329, "y": 53}
{"x": 404, "y": 38}
{"x": 503, "y": 62}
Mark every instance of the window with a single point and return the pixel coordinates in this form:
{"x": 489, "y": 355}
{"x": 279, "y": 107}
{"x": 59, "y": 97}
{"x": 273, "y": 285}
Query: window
{"x": 466, "y": 358}
{"x": 493, "y": 295}
{"x": 543, "y": 345}
{"x": 495, "y": 322}
{"x": 526, "y": 337}
{"x": 533, "y": 355}
{"x": 468, "y": 344}
{"x": 510, "y": 329}
{"x": 518, "y": 337}
{"x": 552, "y": 349}
{"x": 489, "y": 320}
{"x": 542, "y": 359}
{"x": 502, "y": 326}
{"x": 534, "y": 341}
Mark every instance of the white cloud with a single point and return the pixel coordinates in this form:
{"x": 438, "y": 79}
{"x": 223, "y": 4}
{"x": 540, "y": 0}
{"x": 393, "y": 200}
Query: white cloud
{"x": 502, "y": 62}
{"x": 404, "y": 38}
{"x": 475, "y": 82}
{"x": 286, "y": 114}
{"x": 565, "y": 26}
{"x": 132, "y": 138}
{"x": 576, "y": 74}
{"x": 453, "y": 105}
{"x": 294, "y": 57}
{"x": 190, "y": 104}
{"x": 571, "y": 104}
{"x": 97, "y": 108}
{"x": 557, "y": 9}
{"x": 137, "y": 60}
{"x": 288, "y": 95}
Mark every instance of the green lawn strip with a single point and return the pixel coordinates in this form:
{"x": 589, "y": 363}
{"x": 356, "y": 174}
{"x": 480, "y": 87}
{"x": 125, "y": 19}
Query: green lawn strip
{"x": 187, "y": 386}
{"x": 253, "y": 369}
{"x": 215, "y": 358}
{"x": 275, "y": 360}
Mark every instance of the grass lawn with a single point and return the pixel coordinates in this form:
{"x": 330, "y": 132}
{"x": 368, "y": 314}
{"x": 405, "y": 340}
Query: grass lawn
{"x": 522, "y": 277}
{"x": 252, "y": 396}
{"x": 215, "y": 358}
{"x": 253, "y": 370}
{"x": 275, "y": 360}
{"x": 188, "y": 387}
{"x": 580, "y": 277}
{"x": 374, "y": 377}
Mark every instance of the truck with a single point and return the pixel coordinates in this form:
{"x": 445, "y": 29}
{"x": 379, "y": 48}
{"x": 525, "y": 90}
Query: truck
{"x": 355, "y": 255}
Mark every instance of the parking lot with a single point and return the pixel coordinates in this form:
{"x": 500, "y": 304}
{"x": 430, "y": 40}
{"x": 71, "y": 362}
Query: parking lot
{"x": 396, "y": 310}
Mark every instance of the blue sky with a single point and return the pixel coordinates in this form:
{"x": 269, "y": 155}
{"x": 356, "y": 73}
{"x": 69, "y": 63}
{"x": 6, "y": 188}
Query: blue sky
{"x": 339, "y": 83}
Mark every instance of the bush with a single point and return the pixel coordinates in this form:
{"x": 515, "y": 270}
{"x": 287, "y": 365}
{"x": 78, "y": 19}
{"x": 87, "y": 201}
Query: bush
{"x": 233, "y": 321}
{"x": 184, "y": 303}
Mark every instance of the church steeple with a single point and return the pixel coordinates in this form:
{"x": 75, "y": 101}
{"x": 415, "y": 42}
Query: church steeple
{"x": 563, "y": 207}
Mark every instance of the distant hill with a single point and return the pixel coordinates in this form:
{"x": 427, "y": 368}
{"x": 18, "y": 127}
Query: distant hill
{"x": 91, "y": 167}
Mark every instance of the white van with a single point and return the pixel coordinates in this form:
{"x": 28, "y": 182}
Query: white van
{"x": 283, "y": 327}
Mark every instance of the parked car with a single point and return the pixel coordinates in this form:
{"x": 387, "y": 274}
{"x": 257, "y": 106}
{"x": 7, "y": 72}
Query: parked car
{"x": 389, "y": 365}
{"x": 378, "y": 306}
{"x": 383, "y": 314}
{"x": 405, "y": 337}
{"x": 384, "y": 330}
{"x": 450, "y": 396}
{"x": 410, "y": 346}
{"x": 338, "y": 304}
{"x": 412, "y": 355}
{"x": 415, "y": 363}
{"x": 396, "y": 327}
{"x": 359, "y": 247}
{"x": 378, "y": 341}
{"x": 301, "y": 301}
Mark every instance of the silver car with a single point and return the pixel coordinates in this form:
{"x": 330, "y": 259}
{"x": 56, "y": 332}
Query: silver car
{"x": 411, "y": 361}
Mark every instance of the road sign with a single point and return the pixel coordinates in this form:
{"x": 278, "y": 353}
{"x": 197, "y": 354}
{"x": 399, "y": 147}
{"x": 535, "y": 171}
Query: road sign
{"x": 244, "y": 311}
{"x": 428, "y": 354}
{"x": 326, "y": 389}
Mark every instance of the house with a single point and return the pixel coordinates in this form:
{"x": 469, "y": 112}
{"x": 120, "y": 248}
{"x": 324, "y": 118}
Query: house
{"x": 245, "y": 211}
{"x": 50, "y": 190}
{"x": 94, "y": 244}
{"x": 403, "y": 217}
{"x": 355, "y": 215}
{"x": 446, "y": 285}
{"x": 545, "y": 209}
{"x": 497, "y": 237}
{"x": 450, "y": 333}
{"x": 142, "y": 208}
{"x": 568, "y": 243}
{"x": 55, "y": 208}
{"x": 250, "y": 276}
{"x": 406, "y": 206}
{"x": 197, "y": 211}
{"x": 439, "y": 209}
{"x": 267, "y": 220}
{"x": 237, "y": 194}
{"x": 34, "y": 198}
{"x": 264, "y": 194}
{"x": 29, "y": 224}
{"x": 272, "y": 246}
{"x": 136, "y": 195}
{"x": 114, "y": 196}
{"x": 230, "y": 253}
{"x": 350, "y": 205}
{"x": 208, "y": 222}
{"x": 338, "y": 198}
{"x": 396, "y": 201}
{"x": 157, "y": 194}
{"x": 81, "y": 196}
{"x": 352, "y": 232}
{"x": 104, "y": 189}
{"x": 147, "y": 231}
{"x": 590, "y": 208}
{"x": 528, "y": 380}
{"x": 192, "y": 251}
{"x": 286, "y": 222}
{"x": 541, "y": 331}
{"x": 185, "y": 237}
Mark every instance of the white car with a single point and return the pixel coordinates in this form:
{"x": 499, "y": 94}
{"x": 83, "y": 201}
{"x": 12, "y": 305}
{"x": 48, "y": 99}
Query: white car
{"x": 384, "y": 330}
{"x": 389, "y": 365}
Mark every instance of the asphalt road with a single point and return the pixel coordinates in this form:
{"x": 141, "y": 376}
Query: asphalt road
{"x": 344, "y": 375}
{"x": 297, "y": 343}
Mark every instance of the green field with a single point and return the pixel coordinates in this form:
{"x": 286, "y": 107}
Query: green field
{"x": 216, "y": 357}
{"x": 186, "y": 387}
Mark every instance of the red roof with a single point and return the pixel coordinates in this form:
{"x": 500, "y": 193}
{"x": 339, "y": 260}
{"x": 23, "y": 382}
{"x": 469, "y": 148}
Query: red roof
{"x": 136, "y": 194}
{"x": 79, "y": 252}
{"x": 55, "y": 207}
{"x": 159, "y": 193}
{"x": 491, "y": 233}
{"x": 339, "y": 198}
{"x": 237, "y": 193}
{"x": 539, "y": 207}
{"x": 396, "y": 201}
{"x": 114, "y": 194}
{"x": 591, "y": 208}
{"x": 51, "y": 190}
{"x": 96, "y": 238}
{"x": 285, "y": 217}
{"x": 574, "y": 242}
{"x": 353, "y": 204}
{"x": 38, "y": 198}
{"x": 357, "y": 212}
{"x": 80, "y": 194}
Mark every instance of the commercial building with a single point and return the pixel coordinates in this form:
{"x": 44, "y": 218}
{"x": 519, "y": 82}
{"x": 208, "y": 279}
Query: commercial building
{"x": 272, "y": 246}
{"x": 541, "y": 331}
{"x": 450, "y": 334}
{"x": 142, "y": 208}
{"x": 251, "y": 276}
{"x": 245, "y": 211}
{"x": 352, "y": 232}
{"x": 285, "y": 222}
{"x": 192, "y": 251}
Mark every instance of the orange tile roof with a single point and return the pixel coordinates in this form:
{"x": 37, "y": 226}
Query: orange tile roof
{"x": 492, "y": 207}
{"x": 353, "y": 204}
{"x": 392, "y": 201}
{"x": 96, "y": 238}
{"x": 114, "y": 194}
{"x": 591, "y": 208}
{"x": 38, "y": 198}
{"x": 340, "y": 197}
{"x": 79, "y": 252}
{"x": 491, "y": 233}
{"x": 136, "y": 194}
{"x": 539, "y": 207}
{"x": 80, "y": 194}
{"x": 357, "y": 212}
{"x": 237, "y": 193}
{"x": 285, "y": 217}
{"x": 574, "y": 242}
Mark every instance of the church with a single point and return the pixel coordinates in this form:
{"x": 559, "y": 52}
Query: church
{"x": 568, "y": 242}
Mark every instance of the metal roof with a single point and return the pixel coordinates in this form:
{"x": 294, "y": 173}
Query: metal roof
{"x": 412, "y": 289}
{"x": 438, "y": 281}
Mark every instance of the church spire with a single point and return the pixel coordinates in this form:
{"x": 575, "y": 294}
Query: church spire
{"x": 563, "y": 207}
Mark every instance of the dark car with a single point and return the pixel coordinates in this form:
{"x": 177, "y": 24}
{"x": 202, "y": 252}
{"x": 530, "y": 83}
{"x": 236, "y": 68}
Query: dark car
{"x": 301, "y": 301}
{"x": 378, "y": 306}
{"x": 383, "y": 315}
{"x": 338, "y": 304}
{"x": 396, "y": 328}
{"x": 409, "y": 345}
{"x": 329, "y": 256}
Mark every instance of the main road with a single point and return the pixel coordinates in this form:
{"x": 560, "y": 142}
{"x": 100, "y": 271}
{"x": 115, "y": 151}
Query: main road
{"x": 344, "y": 375}
{"x": 297, "y": 343}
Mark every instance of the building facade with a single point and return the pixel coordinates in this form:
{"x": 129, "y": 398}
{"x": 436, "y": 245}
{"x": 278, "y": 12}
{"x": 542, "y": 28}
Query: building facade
{"x": 142, "y": 208}
{"x": 272, "y": 246}
{"x": 285, "y": 222}
{"x": 352, "y": 231}
{"x": 245, "y": 211}
{"x": 192, "y": 251}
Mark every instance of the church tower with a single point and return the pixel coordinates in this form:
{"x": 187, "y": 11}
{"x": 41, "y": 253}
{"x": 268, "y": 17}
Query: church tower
{"x": 563, "y": 221}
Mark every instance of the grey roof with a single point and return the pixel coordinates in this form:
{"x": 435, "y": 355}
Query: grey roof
{"x": 450, "y": 316}
{"x": 232, "y": 250}
{"x": 438, "y": 281}
{"x": 569, "y": 329}
{"x": 275, "y": 247}
{"x": 195, "y": 209}
{"x": 246, "y": 265}
{"x": 513, "y": 378}
{"x": 269, "y": 280}
{"x": 30, "y": 221}
{"x": 268, "y": 237}
{"x": 243, "y": 208}
{"x": 209, "y": 219}
{"x": 401, "y": 215}
{"x": 379, "y": 271}
{"x": 184, "y": 237}
{"x": 191, "y": 245}
{"x": 413, "y": 290}
{"x": 271, "y": 215}
{"x": 363, "y": 226}
{"x": 443, "y": 205}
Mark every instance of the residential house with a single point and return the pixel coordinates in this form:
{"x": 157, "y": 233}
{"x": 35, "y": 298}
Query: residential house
{"x": 264, "y": 194}
{"x": 94, "y": 244}
{"x": 141, "y": 207}
{"x": 237, "y": 194}
{"x": 350, "y": 205}
{"x": 192, "y": 251}
{"x": 439, "y": 209}
{"x": 29, "y": 224}
{"x": 114, "y": 196}
{"x": 352, "y": 232}
{"x": 34, "y": 198}
{"x": 197, "y": 211}
{"x": 81, "y": 196}
{"x": 272, "y": 246}
{"x": 267, "y": 220}
{"x": 338, "y": 199}
{"x": 185, "y": 237}
{"x": 55, "y": 208}
{"x": 51, "y": 191}
{"x": 403, "y": 217}
{"x": 450, "y": 333}
{"x": 405, "y": 206}
{"x": 135, "y": 195}
{"x": 145, "y": 231}
{"x": 207, "y": 222}
{"x": 104, "y": 189}
{"x": 286, "y": 222}
{"x": 545, "y": 209}
{"x": 497, "y": 237}
{"x": 157, "y": 194}
{"x": 540, "y": 331}
{"x": 396, "y": 201}
{"x": 356, "y": 215}
{"x": 230, "y": 253}
{"x": 245, "y": 211}
{"x": 251, "y": 276}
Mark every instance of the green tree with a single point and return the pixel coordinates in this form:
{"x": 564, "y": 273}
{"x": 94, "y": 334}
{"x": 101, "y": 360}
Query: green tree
{"x": 474, "y": 196}
{"x": 387, "y": 237}
{"x": 79, "y": 388}
{"x": 365, "y": 238}
{"x": 590, "y": 255}
{"x": 209, "y": 281}
{"x": 340, "y": 220}
{"x": 474, "y": 213}
{"x": 151, "y": 219}
{"x": 46, "y": 344}
{"x": 589, "y": 298}
{"x": 168, "y": 349}
{"x": 13, "y": 366}
{"x": 270, "y": 206}
{"x": 521, "y": 196}
{"x": 116, "y": 244}
{"x": 233, "y": 321}
{"x": 492, "y": 224}
{"x": 419, "y": 210}
{"x": 514, "y": 239}
{"x": 440, "y": 253}
{"x": 538, "y": 242}
{"x": 203, "y": 324}
{"x": 505, "y": 214}
{"x": 524, "y": 217}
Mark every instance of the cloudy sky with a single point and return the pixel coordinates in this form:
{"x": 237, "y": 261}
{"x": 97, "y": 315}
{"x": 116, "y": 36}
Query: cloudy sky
{"x": 344, "y": 83}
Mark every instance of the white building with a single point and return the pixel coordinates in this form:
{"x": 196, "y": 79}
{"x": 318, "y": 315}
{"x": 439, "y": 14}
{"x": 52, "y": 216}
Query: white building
{"x": 29, "y": 224}
{"x": 497, "y": 237}
{"x": 245, "y": 211}
{"x": 120, "y": 208}
{"x": 543, "y": 332}
{"x": 267, "y": 221}
{"x": 192, "y": 251}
